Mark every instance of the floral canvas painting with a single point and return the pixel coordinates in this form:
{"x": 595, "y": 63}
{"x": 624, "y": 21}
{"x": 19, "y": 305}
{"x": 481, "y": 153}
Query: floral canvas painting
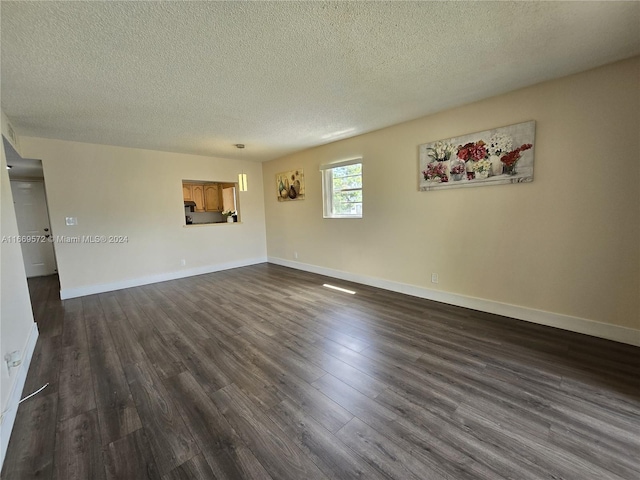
{"x": 290, "y": 185}
{"x": 493, "y": 157}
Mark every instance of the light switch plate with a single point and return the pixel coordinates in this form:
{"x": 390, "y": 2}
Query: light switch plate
{"x": 71, "y": 220}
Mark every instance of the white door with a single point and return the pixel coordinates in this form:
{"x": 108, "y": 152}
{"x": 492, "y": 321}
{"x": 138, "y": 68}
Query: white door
{"x": 33, "y": 224}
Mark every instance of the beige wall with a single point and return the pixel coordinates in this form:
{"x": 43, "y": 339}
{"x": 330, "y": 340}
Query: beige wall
{"x": 568, "y": 243}
{"x": 16, "y": 317}
{"x": 138, "y": 193}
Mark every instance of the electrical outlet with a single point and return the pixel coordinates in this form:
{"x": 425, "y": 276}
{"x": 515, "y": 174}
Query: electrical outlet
{"x": 434, "y": 278}
{"x": 183, "y": 263}
{"x": 295, "y": 255}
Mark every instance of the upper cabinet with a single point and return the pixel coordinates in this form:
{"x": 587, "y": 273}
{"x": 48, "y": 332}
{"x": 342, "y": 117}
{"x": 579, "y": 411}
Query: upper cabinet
{"x": 186, "y": 192}
{"x": 212, "y": 198}
{"x": 197, "y": 192}
{"x": 228, "y": 197}
{"x": 207, "y": 196}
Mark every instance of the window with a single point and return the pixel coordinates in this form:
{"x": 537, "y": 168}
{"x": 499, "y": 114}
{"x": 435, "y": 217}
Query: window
{"x": 342, "y": 189}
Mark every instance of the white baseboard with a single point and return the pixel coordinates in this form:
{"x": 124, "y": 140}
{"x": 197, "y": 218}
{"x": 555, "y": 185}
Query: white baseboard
{"x": 11, "y": 408}
{"x": 565, "y": 322}
{"x": 66, "y": 293}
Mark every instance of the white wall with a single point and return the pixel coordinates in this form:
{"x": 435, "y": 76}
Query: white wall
{"x": 563, "y": 250}
{"x": 6, "y": 129}
{"x": 138, "y": 193}
{"x": 17, "y": 329}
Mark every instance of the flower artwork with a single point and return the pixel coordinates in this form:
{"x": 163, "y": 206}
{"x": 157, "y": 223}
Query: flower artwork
{"x": 492, "y": 157}
{"x": 499, "y": 144}
{"x": 473, "y": 151}
{"x": 457, "y": 170}
{"x": 290, "y": 185}
{"x": 510, "y": 159}
{"x": 441, "y": 151}
{"x": 435, "y": 172}
{"x": 482, "y": 166}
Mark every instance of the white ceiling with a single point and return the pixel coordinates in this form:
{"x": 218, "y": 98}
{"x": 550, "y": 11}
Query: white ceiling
{"x": 198, "y": 77}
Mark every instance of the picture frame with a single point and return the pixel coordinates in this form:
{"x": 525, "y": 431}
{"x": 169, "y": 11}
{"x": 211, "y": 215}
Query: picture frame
{"x": 499, "y": 156}
{"x": 290, "y": 185}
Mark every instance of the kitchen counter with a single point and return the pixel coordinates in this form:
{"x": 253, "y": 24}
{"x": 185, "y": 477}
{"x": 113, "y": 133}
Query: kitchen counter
{"x": 211, "y": 223}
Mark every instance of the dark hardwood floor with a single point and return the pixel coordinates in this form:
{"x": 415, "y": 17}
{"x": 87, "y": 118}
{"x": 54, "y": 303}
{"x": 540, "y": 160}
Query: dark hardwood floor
{"x": 260, "y": 372}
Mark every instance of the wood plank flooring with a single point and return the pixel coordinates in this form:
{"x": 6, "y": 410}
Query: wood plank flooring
{"x": 262, "y": 373}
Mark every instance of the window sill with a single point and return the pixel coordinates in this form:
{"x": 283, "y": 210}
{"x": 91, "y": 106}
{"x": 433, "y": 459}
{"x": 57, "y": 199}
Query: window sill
{"x": 210, "y": 224}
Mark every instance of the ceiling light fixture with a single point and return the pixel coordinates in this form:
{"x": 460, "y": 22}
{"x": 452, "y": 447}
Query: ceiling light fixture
{"x": 242, "y": 181}
{"x": 242, "y": 177}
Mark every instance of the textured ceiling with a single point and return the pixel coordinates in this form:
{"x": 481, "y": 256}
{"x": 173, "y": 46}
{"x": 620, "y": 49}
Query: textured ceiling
{"x": 198, "y": 77}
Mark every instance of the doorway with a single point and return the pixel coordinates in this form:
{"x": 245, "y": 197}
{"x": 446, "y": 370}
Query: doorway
{"x": 32, "y": 214}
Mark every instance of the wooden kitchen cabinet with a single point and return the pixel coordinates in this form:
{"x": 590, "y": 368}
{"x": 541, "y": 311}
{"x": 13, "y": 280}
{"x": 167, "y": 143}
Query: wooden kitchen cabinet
{"x": 212, "y": 198}
{"x": 197, "y": 193}
{"x": 206, "y": 195}
{"x": 186, "y": 192}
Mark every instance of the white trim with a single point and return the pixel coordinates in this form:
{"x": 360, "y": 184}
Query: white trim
{"x": 162, "y": 277}
{"x": 343, "y": 163}
{"x": 11, "y": 409}
{"x": 566, "y": 322}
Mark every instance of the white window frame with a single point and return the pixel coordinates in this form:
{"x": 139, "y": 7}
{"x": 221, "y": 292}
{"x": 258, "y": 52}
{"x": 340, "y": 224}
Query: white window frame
{"x": 328, "y": 192}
